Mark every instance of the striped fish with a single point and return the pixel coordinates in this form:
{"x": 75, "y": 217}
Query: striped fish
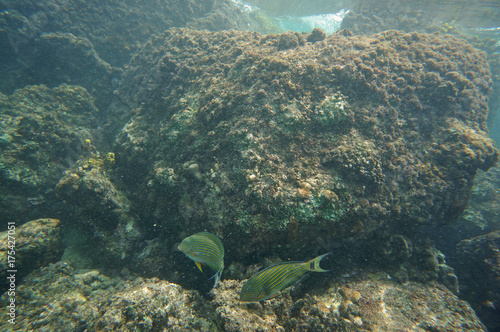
{"x": 205, "y": 248}
{"x": 267, "y": 283}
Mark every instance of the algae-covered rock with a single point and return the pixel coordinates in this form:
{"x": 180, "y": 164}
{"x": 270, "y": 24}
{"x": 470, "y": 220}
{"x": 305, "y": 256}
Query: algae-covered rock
{"x": 57, "y": 298}
{"x": 273, "y": 141}
{"x": 43, "y": 132}
{"x": 108, "y": 232}
{"x": 386, "y": 306}
{"x": 87, "y": 43}
{"x": 356, "y": 306}
{"x": 29, "y": 246}
{"x": 234, "y": 315}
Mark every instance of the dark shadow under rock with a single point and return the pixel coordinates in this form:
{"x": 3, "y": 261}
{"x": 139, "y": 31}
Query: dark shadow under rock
{"x": 478, "y": 267}
{"x": 100, "y": 213}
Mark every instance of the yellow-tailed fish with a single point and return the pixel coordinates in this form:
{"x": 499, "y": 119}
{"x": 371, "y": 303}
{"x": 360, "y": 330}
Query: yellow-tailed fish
{"x": 205, "y": 248}
{"x": 267, "y": 283}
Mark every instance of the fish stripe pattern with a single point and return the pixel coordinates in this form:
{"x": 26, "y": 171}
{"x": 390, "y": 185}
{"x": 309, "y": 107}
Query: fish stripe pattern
{"x": 205, "y": 248}
{"x": 269, "y": 282}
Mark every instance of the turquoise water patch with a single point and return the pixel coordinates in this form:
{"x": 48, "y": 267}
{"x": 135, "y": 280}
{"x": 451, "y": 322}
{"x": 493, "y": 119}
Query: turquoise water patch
{"x": 326, "y": 22}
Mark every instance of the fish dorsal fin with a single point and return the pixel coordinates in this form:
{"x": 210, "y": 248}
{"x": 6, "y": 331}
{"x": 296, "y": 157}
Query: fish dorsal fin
{"x": 280, "y": 263}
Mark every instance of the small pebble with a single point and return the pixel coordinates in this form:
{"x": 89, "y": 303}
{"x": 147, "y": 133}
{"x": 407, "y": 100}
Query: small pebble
{"x": 357, "y": 321}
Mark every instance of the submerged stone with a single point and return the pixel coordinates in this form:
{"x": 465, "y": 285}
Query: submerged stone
{"x": 58, "y": 297}
{"x": 357, "y": 306}
{"x": 44, "y": 132}
{"x": 336, "y": 138}
{"x": 478, "y": 265}
{"x": 29, "y": 246}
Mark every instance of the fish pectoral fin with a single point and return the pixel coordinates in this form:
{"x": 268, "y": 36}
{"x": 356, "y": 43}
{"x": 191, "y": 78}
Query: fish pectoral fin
{"x": 199, "y": 266}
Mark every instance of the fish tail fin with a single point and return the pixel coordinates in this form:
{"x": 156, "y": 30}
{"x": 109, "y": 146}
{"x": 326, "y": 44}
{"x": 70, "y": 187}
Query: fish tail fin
{"x": 313, "y": 264}
{"x": 217, "y": 277}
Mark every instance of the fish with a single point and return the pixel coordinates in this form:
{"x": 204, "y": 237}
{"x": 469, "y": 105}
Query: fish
{"x": 269, "y": 282}
{"x": 205, "y": 248}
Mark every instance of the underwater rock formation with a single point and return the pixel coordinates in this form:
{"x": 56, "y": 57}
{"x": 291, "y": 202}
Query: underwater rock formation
{"x": 115, "y": 28}
{"x": 43, "y": 132}
{"x": 58, "y": 297}
{"x": 274, "y": 141}
{"x": 50, "y": 166}
{"x": 473, "y": 244}
{"x": 100, "y": 212}
{"x": 36, "y": 243}
{"x": 464, "y": 19}
{"x": 478, "y": 265}
{"x": 357, "y": 306}
{"x": 372, "y": 16}
{"x": 88, "y": 43}
{"x": 74, "y": 61}
{"x": 482, "y": 215}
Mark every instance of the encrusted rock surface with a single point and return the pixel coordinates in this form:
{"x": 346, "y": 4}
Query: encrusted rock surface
{"x": 357, "y": 306}
{"x": 56, "y": 298}
{"x": 43, "y": 132}
{"x": 286, "y": 146}
{"x": 106, "y": 224}
{"x": 89, "y": 42}
{"x": 59, "y": 298}
{"x": 277, "y": 141}
{"x": 33, "y": 244}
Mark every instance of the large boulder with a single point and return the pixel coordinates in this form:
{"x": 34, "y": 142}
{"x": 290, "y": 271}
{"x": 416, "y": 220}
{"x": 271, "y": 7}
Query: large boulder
{"x": 275, "y": 141}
